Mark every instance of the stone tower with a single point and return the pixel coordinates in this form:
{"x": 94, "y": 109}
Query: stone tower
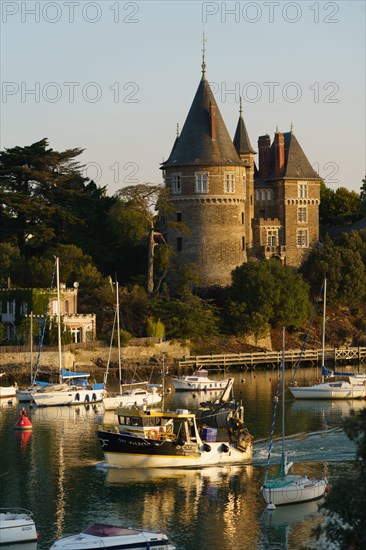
{"x": 211, "y": 189}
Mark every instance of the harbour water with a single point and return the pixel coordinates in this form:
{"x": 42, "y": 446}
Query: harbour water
{"x": 57, "y": 472}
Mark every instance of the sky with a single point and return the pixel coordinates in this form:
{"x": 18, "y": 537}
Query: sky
{"x": 116, "y": 77}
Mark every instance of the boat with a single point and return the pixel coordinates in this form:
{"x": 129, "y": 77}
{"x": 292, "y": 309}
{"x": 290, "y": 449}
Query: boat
{"x": 130, "y": 393}
{"x": 72, "y": 388}
{"x": 7, "y": 391}
{"x": 198, "y": 381}
{"x": 287, "y": 488}
{"x": 159, "y": 438}
{"x": 25, "y": 396}
{"x": 354, "y": 387}
{"x": 100, "y": 535}
{"x": 16, "y": 525}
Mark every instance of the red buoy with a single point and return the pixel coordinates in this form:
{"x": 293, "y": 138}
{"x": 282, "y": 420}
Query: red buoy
{"x": 23, "y": 423}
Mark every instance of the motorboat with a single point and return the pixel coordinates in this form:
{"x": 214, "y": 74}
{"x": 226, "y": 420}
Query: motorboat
{"x": 16, "y": 525}
{"x": 285, "y": 488}
{"x": 135, "y": 397}
{"x": 7, "y": 391}
{"x": 198, "y": 381}
{"x": 100, "y": 535}
{"x": 158, "y": 438}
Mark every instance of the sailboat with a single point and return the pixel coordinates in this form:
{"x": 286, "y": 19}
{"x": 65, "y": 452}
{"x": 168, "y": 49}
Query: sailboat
{"x": 336, "y": 389}
{"x": 72, "y": 388}
{"x": 286, "y": 488}
{"x": 133, "y": 395}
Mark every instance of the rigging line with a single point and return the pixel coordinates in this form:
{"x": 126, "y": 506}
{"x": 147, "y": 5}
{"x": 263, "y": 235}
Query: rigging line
{"x": 110, "y": 349}
{"x": 44, "y": 327}
{"x": 311, "y": 322}
{"x": 276, "y": 400}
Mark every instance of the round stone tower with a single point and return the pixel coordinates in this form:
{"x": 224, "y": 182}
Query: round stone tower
{"x": 210, "y": 182}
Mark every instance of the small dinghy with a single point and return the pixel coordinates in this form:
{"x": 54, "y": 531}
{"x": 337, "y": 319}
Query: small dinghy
{"x": 16, "y": 525}
{"x": 100, "y": 535}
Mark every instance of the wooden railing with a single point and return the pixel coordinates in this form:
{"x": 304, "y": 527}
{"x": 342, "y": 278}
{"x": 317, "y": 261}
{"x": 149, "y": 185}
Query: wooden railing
{"x": 273, "y": 358}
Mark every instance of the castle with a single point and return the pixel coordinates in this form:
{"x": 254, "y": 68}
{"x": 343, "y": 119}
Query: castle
{"x": 232, "y": 208}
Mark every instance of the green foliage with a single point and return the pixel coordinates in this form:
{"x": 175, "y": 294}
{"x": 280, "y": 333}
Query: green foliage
{"x": 265, "y": 293}
{"x": 2, "y": 333}
{"x": 345, "y": 505}
{"x": 124, "y": 337}
{"x": 339, "y": 207}
{"x": 187, "y": 318}
{"x": 343, "y": 262}
{"x": 363, "y": 196}
{"x": 155, "y": 328}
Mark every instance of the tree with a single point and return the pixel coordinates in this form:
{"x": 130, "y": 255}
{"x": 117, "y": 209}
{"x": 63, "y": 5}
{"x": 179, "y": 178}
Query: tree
{"x": 363, "y": 196}
{"x": 29, "y": 179}
{"x": 344, "y": 508}
{"x": 339, "y": 207}
{"x": 266, "y": 293}
{"x": 144, "y": 199}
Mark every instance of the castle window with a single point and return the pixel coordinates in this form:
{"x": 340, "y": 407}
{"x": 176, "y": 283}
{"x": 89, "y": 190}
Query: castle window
{"x": 201, "y": 182}
{"x": 257, "y": 195}
{"x": 263, "y": 196}
{"x": 66, "y": 306}
{"x": 229, "y": 183}
{"x": 179, "y": 244}
{"x": 179, "y": 216}
{"x": 302, "y": 238}
{"x": 242, "y": 217}
{"x": 272, "y": 237}
{"x": 269, "y": 195}
{"x": 301, "y": 214}
{"x": 243, "y": 243}
{"x": 176, "y": 184}
{"x": 302, "y": 190}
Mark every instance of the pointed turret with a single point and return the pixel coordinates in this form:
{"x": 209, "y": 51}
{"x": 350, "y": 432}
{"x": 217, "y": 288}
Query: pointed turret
{"x": 241, "y": 139}
{"x": 204, "y": 138}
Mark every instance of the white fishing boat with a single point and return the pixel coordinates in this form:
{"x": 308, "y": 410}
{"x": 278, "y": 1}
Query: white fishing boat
{"x": 198, "y": 381}
{"x": 334, "y": 389}
{"x": 285, "y": 488}
{"x": 155, "y": 439}
{"x": 100, "y": 535}
{"x": 7, "y": 391}
{"x": 16, "y": 525}
{"x": 73, "y": 388}
{"x": 131, "y": 394}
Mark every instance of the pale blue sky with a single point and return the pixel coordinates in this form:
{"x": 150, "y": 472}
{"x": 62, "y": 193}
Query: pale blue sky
{"x": 135, "y": 67}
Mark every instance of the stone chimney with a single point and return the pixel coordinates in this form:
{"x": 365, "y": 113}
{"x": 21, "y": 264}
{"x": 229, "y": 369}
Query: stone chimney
{"x": 213, "y": 121}
{"x": 279, "y": 147}
{"x": 264, "y": 148}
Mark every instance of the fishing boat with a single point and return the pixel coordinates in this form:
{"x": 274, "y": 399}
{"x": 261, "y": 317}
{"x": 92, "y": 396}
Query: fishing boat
{"x": 158, "y": 438}
{"x": 72, "y": 388}
{"x": 286, "y": 488}
{"x": 130, "y": 393}
{"x": 332, "y": 389}
{"x": 198, "y": 381}
{"x": 16, "y": 525}
{"x": 100, "y": 535}
{"x": 7, "y": 391}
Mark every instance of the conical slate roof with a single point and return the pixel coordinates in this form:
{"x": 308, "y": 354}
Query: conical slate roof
{"x": 297, "y": 164}
{"x": 196, "y": 145}
{"x": 241, "y": 139}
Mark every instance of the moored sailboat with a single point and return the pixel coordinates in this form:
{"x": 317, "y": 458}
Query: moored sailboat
{"x": 286, "y": 488}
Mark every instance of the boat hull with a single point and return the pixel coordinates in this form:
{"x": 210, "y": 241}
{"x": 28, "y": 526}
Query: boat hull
{"x": 16, "y": 527}
{"x": 125, "y": 451}
{"x": 329, "y": 391}
{"x": 302, "y": 490}
{"x": 67, "y": 397}
{"x": 190, "y": 383}
{"x": 133, "y": 400}
{"x": 8, "y": 391}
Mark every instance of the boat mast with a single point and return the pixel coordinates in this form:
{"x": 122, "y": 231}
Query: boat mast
{"x": 31, "y": 346}
{"x": 283, "y": 397}
{"x": 59, "y": 319}
{"x": 323, "y": 331}
{"x": 118, "y": 339}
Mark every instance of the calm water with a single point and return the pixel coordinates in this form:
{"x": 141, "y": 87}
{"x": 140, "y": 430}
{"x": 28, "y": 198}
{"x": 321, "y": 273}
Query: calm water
{"x": 58, "y": 472}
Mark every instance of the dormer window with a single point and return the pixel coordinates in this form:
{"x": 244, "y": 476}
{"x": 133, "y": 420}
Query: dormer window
{"x": 201, "y": 182}
{"x": 176, "y": 184}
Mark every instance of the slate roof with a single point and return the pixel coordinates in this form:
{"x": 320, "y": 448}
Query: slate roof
{"x": 241, "y": 139}
{"x": 195, "y": 145}
{"x": 297, "y": 165}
